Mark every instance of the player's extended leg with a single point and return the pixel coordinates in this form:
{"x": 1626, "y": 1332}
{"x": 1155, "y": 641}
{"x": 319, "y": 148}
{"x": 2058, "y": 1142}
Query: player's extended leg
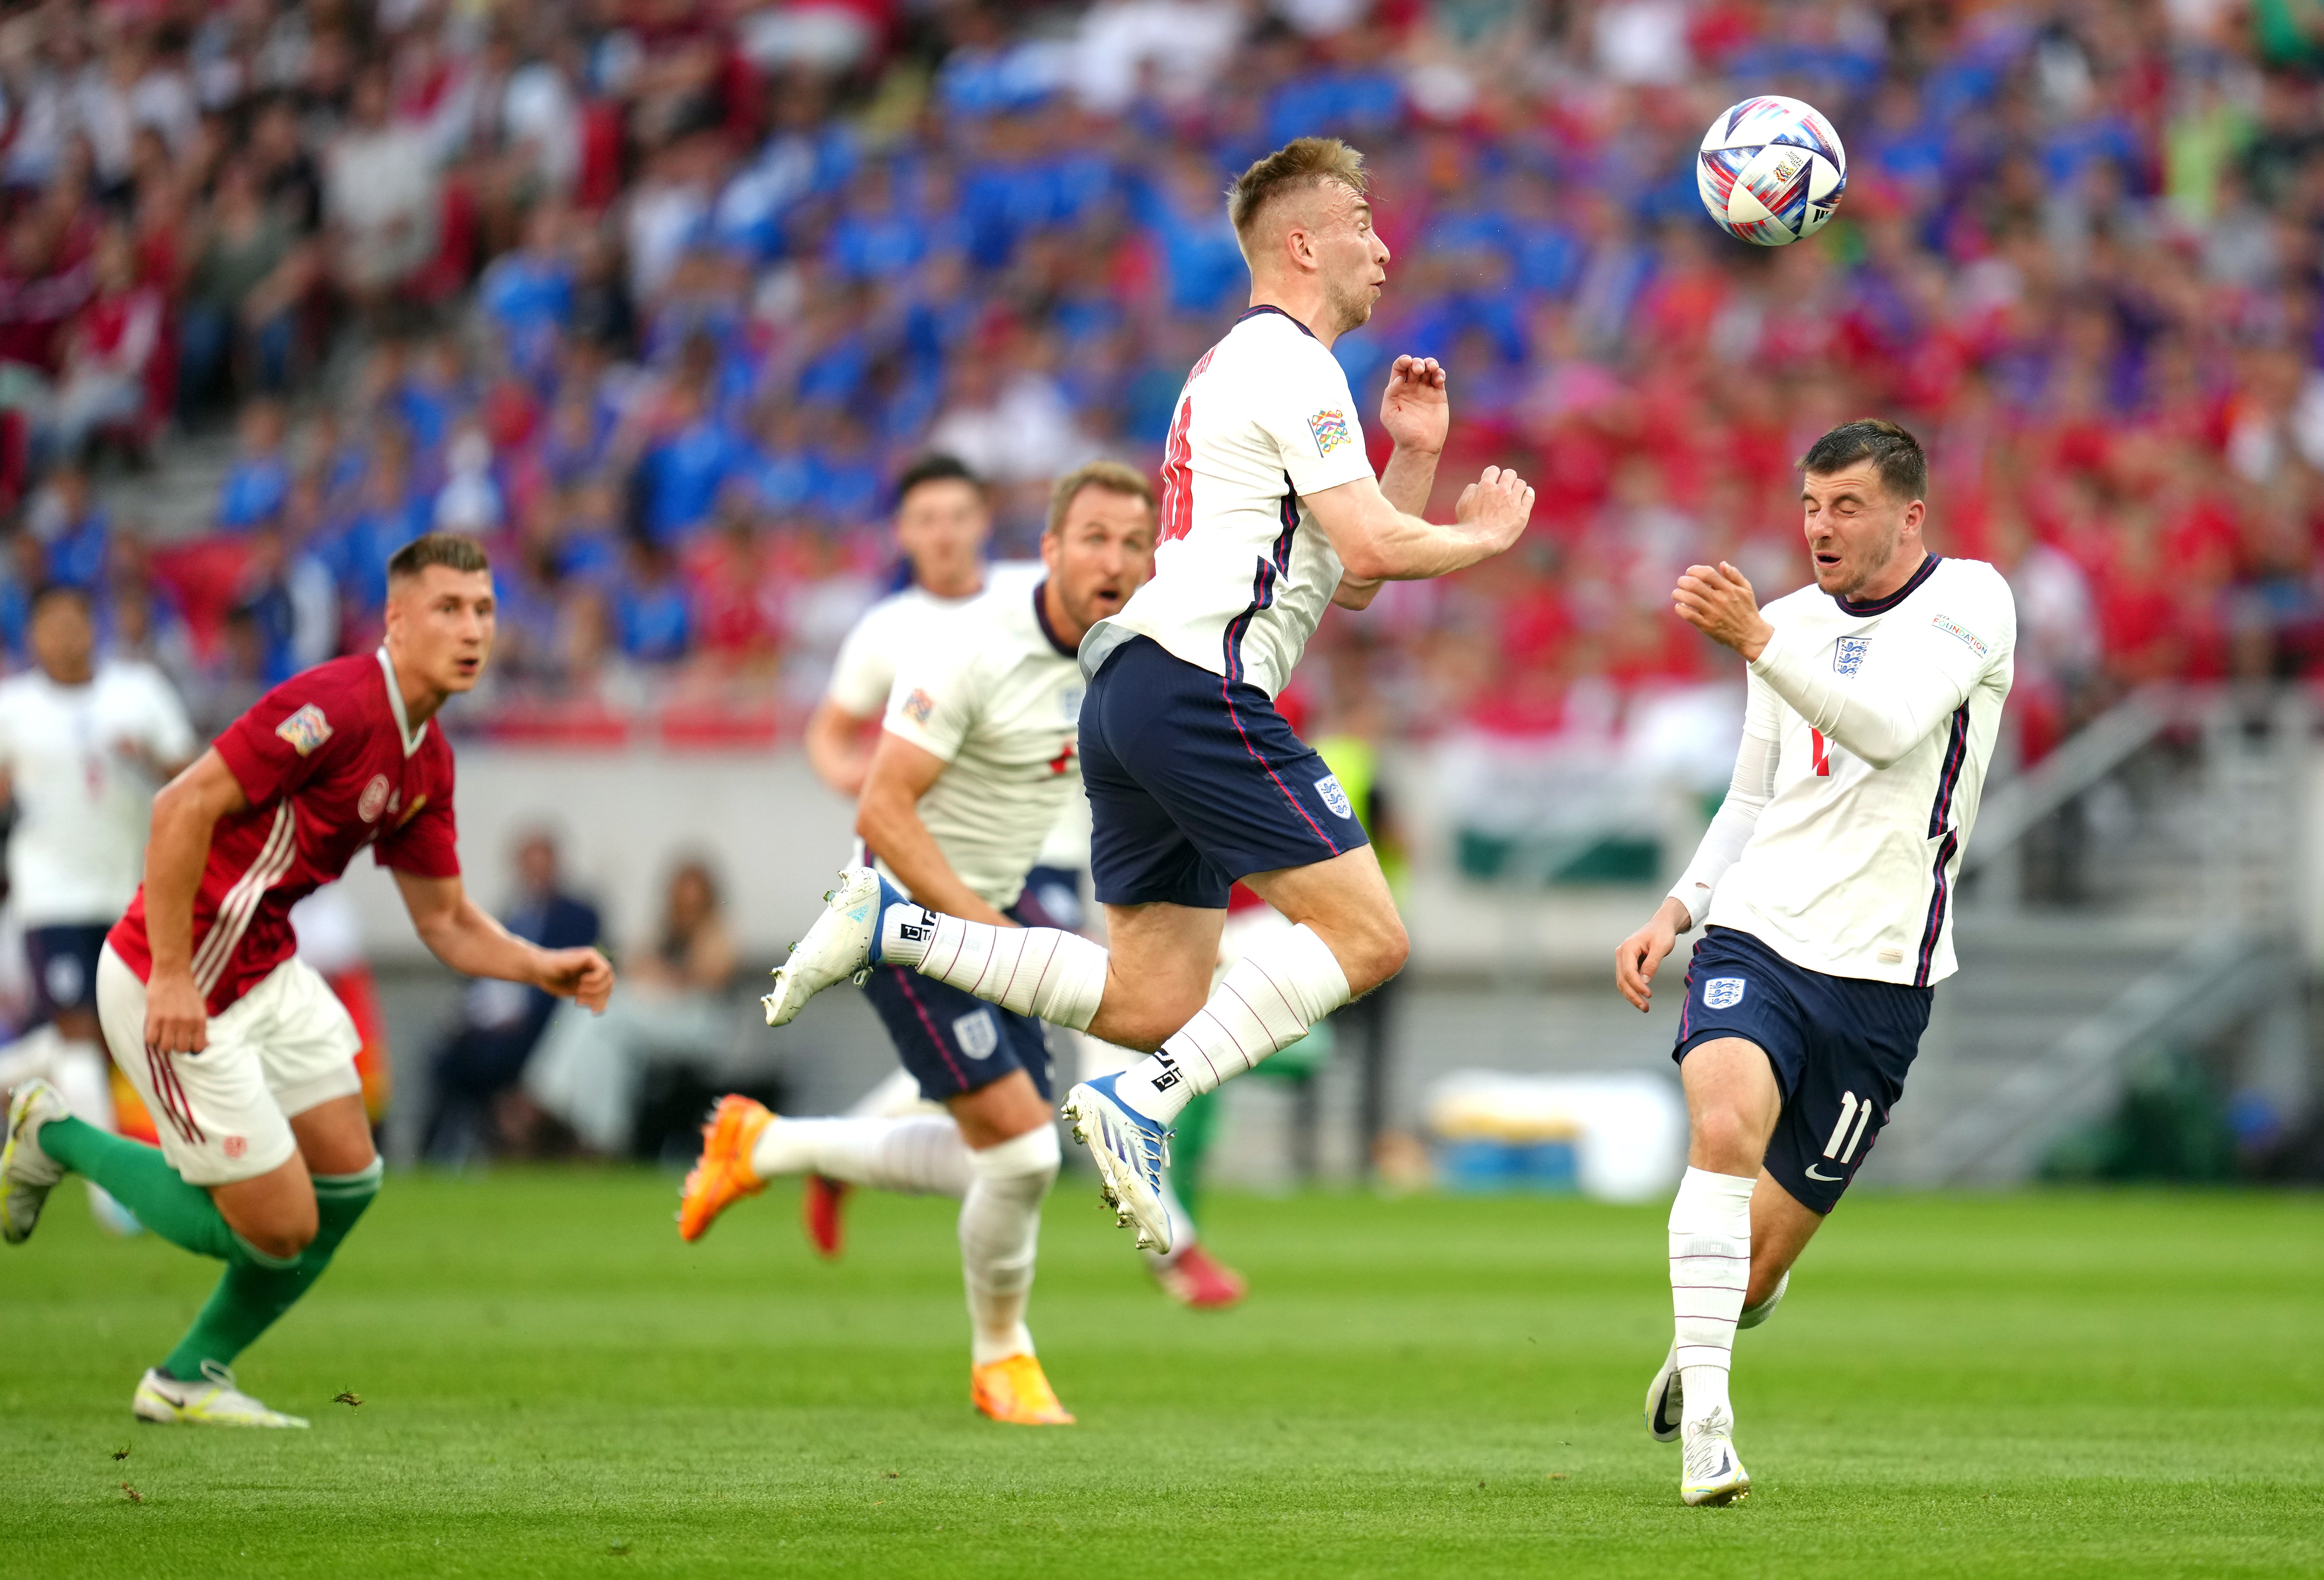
{"x": 744, "y": 1145}
{"x": 275, "y": 1233}
{"x": 1011, "y": 1135}
{"x": 1733, "y": 1101}
{"x": 1345, "y": 940}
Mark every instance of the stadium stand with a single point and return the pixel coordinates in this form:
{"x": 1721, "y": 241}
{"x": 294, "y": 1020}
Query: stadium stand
{"x": 658, "y": 296}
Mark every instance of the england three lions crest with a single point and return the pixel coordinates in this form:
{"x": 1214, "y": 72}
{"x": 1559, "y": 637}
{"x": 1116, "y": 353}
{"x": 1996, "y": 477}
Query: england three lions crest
{"x": 1848, "y": 654}
{"x": 1723, "y": 993}
{"x": 1335, "y": 797}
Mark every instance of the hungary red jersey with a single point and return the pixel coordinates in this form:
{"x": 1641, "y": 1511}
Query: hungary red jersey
{"x": 328, "y": 768}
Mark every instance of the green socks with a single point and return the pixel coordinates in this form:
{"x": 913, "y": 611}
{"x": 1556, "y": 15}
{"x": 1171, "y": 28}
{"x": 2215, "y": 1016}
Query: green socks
{"x": 257, "y": 1289}
{"x": 250, "y": 1296}
{"x": 139, "y": 1178}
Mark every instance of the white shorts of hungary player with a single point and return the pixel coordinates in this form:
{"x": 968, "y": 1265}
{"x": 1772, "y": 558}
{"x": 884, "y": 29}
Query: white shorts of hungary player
{"x": 223, "y": 1113}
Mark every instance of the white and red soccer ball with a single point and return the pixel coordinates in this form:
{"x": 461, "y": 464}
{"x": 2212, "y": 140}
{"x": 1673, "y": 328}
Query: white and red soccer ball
{"x": 1771, "y": 171}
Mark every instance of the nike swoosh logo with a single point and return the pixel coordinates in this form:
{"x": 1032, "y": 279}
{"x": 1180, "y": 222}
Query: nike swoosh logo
{"x": 1834, "y": 1179}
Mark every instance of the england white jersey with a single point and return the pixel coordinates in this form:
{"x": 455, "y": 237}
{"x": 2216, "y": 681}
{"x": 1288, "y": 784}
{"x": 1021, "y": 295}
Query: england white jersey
{"x": 989, "y": 690}
{"x": 864, "y": 672}
{"x": 1882, "y": 717}
{"x": 79, "y": 842}
{"x": 1241, "y": 571}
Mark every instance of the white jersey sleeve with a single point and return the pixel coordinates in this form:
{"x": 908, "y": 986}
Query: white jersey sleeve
{"x": 990, "y": 694}
{"x": 1911, "y": 681}
{"x": 937, "y": 695}
{"x": 1242, "y": 572}
{"x": 864, "y": 671}
{"x": 1885, "y": 716}
{"x": 168, "y": 732}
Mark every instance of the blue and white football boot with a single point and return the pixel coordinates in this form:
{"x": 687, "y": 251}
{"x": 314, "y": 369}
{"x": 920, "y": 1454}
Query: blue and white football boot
{"x": 842, "y": 945}
{"x": 1131, "y": 1151}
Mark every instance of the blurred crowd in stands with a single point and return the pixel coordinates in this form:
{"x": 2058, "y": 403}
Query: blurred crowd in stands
{"x": 658, "y": 296}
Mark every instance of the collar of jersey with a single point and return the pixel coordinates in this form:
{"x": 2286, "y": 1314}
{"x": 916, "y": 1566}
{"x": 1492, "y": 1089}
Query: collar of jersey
{"x": 410, "y": 737}
{"x": 1269, "y": 306}
{"x": 1882, "y": 605}
{"x": 1041, "y": 618}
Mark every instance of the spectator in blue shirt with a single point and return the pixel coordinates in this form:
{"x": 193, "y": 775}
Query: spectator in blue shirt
{"x": 679, "y": 478}
{"x": 259, "y": 481}
{"x": 650, "y": 616}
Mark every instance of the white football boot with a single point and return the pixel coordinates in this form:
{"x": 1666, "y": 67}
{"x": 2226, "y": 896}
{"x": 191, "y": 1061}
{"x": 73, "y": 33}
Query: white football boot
{"x": 28, "y": 1174}
{"x": 1666, "y": 1400}
{"x": 1131, "y": 1151}
{"x": 1712, "y": 1474}
{"x": 211, "y": 1400}
{"x": 837, "y": 948}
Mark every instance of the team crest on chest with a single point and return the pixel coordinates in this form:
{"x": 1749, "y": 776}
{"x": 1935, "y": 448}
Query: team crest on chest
{"x": 1331, "y": 430}
{"x": 374, "y": 798}
{"x": 977, "y": 1033}
{"x": 1848, "y": 654}
{"x": 305, "y": 730}
{"x": 1723, "y": 993}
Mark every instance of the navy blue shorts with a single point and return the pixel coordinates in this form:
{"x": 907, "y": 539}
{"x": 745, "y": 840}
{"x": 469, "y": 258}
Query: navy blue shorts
{"x": 1196, "y": 780}
{"x": 952, "y": 1041}
{"x": 64, "y": 962}
{"x": 1840, "y": 1045}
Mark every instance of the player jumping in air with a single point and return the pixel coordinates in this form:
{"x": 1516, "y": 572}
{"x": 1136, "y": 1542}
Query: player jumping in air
{"x": 974, "y": 763}
{"x": 1269, "y": 511}
{"x": 1826, "y": 880}
{"x": 942, "y": 524}
{"x": 238, "y": 1049}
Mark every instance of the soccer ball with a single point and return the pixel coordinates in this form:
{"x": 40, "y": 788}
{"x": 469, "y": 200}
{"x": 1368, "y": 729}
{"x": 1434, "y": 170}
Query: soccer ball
{"x": 1771, "y": 171}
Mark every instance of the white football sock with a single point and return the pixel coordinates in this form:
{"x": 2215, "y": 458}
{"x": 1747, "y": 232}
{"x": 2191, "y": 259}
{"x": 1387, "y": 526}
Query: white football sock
{"x": 1710, "y": 1269}
{"x": 1041, "y": 971}
{"x": 892, "y": 1099}
{"x": 999, "y": 1235}
{"x": 1265, "y": 1002}
{"x": 921, "y": 1155}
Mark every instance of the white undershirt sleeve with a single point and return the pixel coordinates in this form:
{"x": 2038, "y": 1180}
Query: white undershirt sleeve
{"x": 1747, "y": 795}
{"x": 1918, "y": 684}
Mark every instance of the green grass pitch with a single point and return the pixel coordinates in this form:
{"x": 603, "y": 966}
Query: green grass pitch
{"x": 2115, "y": 1385}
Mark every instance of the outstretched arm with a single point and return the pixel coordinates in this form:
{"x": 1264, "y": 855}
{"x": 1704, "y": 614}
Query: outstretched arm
{"x": 1378, "y": 542}
{"x": 1879, "y": 724}
{"x": 889, "y": 819}
{"x": 1754, "y": 785}
{"x": 461, "y": 934}
{"x": 1415, "y": 414}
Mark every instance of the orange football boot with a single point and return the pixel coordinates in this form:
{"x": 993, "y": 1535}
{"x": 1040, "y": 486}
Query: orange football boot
{"x": 723, "y": 1175}
{"x": 1013, "y": 1389}
{"x": 822, "y": 1203}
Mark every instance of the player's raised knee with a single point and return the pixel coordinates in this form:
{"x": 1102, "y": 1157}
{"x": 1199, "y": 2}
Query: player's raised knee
{"x": 1370, "y": 951}
{"x": 1725, "y": 1139}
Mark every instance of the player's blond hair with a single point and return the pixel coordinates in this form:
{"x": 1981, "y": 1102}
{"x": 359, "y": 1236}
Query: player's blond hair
{"x": 1110, "y": 475}
{"x": 1301, "y": 164}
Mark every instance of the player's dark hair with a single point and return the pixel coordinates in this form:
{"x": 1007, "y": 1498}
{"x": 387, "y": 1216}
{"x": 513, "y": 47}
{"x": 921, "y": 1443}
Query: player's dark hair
{"x": 1110, "y": 475}
{"x": 935, "y": 466}
{"x": 452, "y": 550}
{"x": 1303, "y": 161}
{"x": 60, "y": 589}
{"x": 1894, "y": 453}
